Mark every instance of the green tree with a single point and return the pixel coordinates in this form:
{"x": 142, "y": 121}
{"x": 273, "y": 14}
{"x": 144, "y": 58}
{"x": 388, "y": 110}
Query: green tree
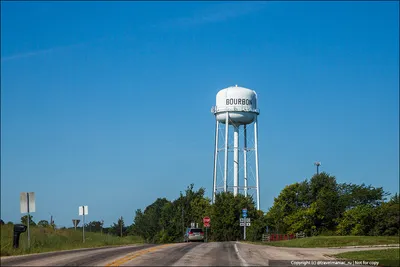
{"x": 165, "y": 221}
{"x": 352, "y": 195}
{"x": 94, "y": 226}
{"x": 303, "y": 220}
{"x": 138, "y": 224}
{"x": 291, "y": 199}
{"x": 357, "y": 221}
{"x": 24, "y": 220}
{"x": 116, "y": 228}
{"x": 166, "y": 233}
{"x": 225, "y": 216}
{"x": 387, "y": 218}
{"x": 43, "y": 223}
{"x": 317, "y": 206}
{"x": 194, "y": 205}
{"x": 148, "y": 224}
{"x": 324, "y": 193}
{"x": 257, "y": 227}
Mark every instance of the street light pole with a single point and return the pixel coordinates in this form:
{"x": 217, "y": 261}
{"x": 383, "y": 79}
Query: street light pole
{"x": 317, "y": 164}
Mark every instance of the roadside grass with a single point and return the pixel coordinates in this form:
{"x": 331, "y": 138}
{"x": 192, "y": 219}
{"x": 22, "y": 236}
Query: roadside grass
{"x": 385, "y": 257}
{"x": 334, "y": 241}
{"x": 48, "y": 239}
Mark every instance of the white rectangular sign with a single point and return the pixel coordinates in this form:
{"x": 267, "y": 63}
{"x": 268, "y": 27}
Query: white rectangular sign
{"x": 24, "y": 202}
{"x": 248, "y": 224}
{"x": 248, "y": 219}
{"x": 242, "y": 224}
{"x": 81, "y": 210}
{"x": 241, "y": 220}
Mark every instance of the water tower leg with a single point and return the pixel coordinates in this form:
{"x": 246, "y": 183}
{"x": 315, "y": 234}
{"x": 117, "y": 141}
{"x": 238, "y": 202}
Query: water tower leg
{"x": 235, "y": 159}
{"x": 215, "y": 161}
{"x": 226, "y": 153}
{"x": 245, "y": 160}
{"x": 256, "y": 154}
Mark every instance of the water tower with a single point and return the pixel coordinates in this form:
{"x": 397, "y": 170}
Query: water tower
{"x": 236, "y": 108}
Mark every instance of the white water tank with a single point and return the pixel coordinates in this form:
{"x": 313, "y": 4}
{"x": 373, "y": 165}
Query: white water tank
{"x": 239, "y": 102}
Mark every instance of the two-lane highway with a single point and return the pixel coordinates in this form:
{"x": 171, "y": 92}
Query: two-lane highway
{"x": 78, "y": 257}
{"x": 178, "y": 254}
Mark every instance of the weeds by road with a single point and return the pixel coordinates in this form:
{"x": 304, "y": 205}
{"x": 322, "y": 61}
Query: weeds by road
{"x": 48, "y": 239}
{"x": 385, "y": 257}
{"x": 334, "y": 241}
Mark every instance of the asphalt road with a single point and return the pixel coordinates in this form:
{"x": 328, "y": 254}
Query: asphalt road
{"x": 180, "y": 254}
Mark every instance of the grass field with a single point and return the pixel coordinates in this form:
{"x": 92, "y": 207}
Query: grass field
{"x": 385, "y": 257}
{"x": 47, "y": 239}
{"x": 335, "y": 241}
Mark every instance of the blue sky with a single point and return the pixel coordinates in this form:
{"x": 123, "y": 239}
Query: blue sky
{"x": 108, "y": 104}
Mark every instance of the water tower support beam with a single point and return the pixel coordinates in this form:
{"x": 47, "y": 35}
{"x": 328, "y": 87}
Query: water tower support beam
{"x": 235, "y": 159}
{"x": 215, "y": 160}
{"x": 226, "y": 153}
{"x": 245, "y": 159}
{"x": 256, "y": 154}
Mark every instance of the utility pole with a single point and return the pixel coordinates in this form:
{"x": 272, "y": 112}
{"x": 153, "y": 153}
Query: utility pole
{"x": 317, "y": 164}
{"x": 183, "y": 222}
{"x": 51, "y": 219}
{"x": 121, "y": 225}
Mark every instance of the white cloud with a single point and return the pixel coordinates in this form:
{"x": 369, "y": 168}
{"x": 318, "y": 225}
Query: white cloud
{"x": 221, "y": 12}
{"x": 39, "y": 52}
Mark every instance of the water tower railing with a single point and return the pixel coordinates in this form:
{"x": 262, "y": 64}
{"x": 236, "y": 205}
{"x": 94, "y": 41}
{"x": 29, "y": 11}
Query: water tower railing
{"x": 215, "y": 109}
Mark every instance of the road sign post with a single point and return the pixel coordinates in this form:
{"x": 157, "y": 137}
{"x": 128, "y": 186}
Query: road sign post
{"x": 83, "y": 210}
{"x": 206, "y": 223}
{"x": 27, "y": 205}
{"x": 244, "y": 215}
{"x": 244, "y": 222}
{"x": 75, "y": 222}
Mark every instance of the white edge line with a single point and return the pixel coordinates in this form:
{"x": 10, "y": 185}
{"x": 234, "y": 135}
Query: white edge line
{"x": 244, "y": 263}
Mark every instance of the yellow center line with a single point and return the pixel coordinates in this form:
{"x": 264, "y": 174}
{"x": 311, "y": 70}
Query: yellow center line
{"x": 133, "y": 255}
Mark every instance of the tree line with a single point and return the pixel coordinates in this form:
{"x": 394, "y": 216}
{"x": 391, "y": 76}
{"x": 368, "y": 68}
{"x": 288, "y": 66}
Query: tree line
{"x": 319, "y": 206}
{"x": 323, "y": 206}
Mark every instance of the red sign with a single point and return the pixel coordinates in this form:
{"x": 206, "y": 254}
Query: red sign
{"x": 206, "y": 221}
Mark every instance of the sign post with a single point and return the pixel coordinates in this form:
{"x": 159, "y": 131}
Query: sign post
{"x": 75, "y": 222}
{"x": 244, "y": 222}
{"x": 27, "y": 205}
{"x": 83, "y": 210}
{"x": 206, "y": 223}
{"x": 244, "y": 214}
